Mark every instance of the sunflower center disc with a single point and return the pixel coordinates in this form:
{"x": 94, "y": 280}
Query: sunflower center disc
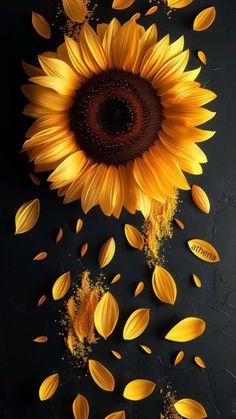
{"x": 116, "y": 116}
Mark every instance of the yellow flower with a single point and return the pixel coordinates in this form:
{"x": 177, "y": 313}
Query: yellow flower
{"x": 116, "y": 118}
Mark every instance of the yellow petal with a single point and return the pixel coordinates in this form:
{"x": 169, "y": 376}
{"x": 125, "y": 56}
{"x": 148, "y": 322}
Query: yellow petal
{"x": 197, "y": 281}
{"x": 187, "y": 329}
{"x": 76, "y": 57}
{"x": 31, "y": 70}
{"x": 40, "y": 256}
{"x": 146, "y": 349}
{"x": 34, "y": 179}
{"x": 101, "y": 30}
{"x": 179, "y": 357}
{"x": 138, "y": 389}
{"x": 199, "y": 362}
{"x": 204, "y": 19}
{"x": 92, "y": 49}
{"x": 61, "y": 286}
{"x": 27, "y": 216}
{"x": 41, "y": 300}
{"x": 178, "y": 4}
{"x": 190, "y": 409}
{"x": 116, "y": 278}
{"x": 116, "y": 354}
{"x": 59, "y": 235}
{"x": 152, "y": 10}
{"x": 136, "y": 323}
{"x": 106, "y": 315}
{"x": 203, "y": 250}
{"x": 122, "y": 4}
{"x": 109, "y": 35}
{"x": 202, "y": 57}
{"x": 106, "y": 252}
{"x": 41, "y": 25}
{"x": 200, "y": 199}
{"x": 134, "y": 237}
{"x": 179, "y": 223}
{"x": 84, "y": 249}
{"x": 75, "y": 9}
{"x": 139, "y": 288}
{"x": 80, "y": 407}
{"x": 116, "y": 415}
{"x": 163, "y": 285}
{"x": 136, "y": 16}
{"x": 48, "y": 387}
{"x": 41, "y": 339}
{"x": 101, "y": 375}
{"x": 79, "y": 225}
{"x": 46, "y": 99}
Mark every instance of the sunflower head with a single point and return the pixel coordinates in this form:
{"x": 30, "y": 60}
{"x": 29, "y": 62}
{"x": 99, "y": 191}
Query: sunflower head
{"x": 117, "y": 118}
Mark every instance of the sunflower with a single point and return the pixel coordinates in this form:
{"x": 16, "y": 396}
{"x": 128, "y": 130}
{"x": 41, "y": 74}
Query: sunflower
{"x": 117, "y": 118}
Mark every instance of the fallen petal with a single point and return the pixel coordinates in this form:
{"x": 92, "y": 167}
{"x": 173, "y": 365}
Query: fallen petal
{"x": 138, "y": 389}
{"x": 187, "y": 329}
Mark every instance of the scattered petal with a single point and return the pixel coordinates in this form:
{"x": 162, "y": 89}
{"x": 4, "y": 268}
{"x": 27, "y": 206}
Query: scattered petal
{"x": 80, "y": 407}
{"x": 48, "y": 387}
{"x": 40, "y": 256}
{"x": 203, "y": 250}
{"x": 59, "y": 235}
{"x": 27, "y": 216}
{"x": 61, "y": 286}
{"x": 116, "y": 415}
{"x": 197, "y": 281}
{"x": 101, "y": 375}
{"x": 139, "y": 288}
{"x": 146, "y": 349}
{"x": 116, "y": 354}
{"x": 152, "y": 10}
{"x": 116, "y": 278}
{"x": 34, "y": 179}
{"x": 138, "y": 389}
{"x": 200, "y": 199}
{"x": 106, "y": 252}
{"x": 122, "y": 4}
{"x": 136, "y": 16}
{"x": 134, "y": 237}
{"x": 202, "y": 57}
{"x": 75, "y": 10}
{"x": 199, "y": 362}
{"x": 190, "y": 409}
{"x": 41, "y": 25}
{"x": 136, "y": 323}
{"x": 204, "y": 19}
{"x": 106, "y": 315}
{"x": 41, "y": 339}
{"x": 179, "y": 223}
{"x": 163, "y": 285}
{"x": 178, "y": 4}
{"x": 84, "y": 249}
{"x": 41, "y": 300}
{"x": 179, "y": 357}
{"x": 79, "y": 225}
{"x": 187, "y": 329}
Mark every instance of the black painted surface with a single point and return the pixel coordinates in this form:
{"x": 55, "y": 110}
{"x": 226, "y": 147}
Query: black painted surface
{"x": 24, "y": 364}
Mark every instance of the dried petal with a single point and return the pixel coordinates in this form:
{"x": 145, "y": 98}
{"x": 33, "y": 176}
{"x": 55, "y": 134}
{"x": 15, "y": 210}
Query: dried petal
{"x": 106, "y": 315}
{"x": 106, "y": 252}
{"x": 27, "y": 216}
{"x": 197, "y": 281}
{"x": 116, "y": 415}
{"x": 146, "y": 349}
{"x": 187, "y": 329}
{"x": 40, "y": 256}
{"x": 116, "y": 354}
{"x": 34, "y": 179}
{"x": 200, "y": 198}
{"x": 41, "y": 25}
{"x": 41, "y": 300}
{"x": 179, "y": 223}
{"x": 138, "y": 389}
{"x": 199, "y": 362}
{"x": 136, "y": 323}
{"x": 79, "y": 225}
{"x": 49, "y": 387}
{"x": 203, "y": 250}
{"x": 80, "y": 407}
{"x": 163, "y": 285}
{"x": 122, "y": 4}
{"x": 134, "y": 237}
{"x": 204, "y": 19}
{"x": 75, "y": 10}
{"x": 40, "y": 339}
{"x": 152, "y": 10}
{"x": 59, "y": 235}
{"x": 179, "y": 357}
{"x": 101, "y": 375}
{"x": 116, "y": 278}
{"x": 61, "y": 286}
{"x": 84, "y": 249}
{"x": 139, "y": 288}
{"x": 202, "y": 57}
{"x": 190, "y": 409}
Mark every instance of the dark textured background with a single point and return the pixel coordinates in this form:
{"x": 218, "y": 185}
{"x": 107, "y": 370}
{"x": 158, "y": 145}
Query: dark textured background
{"x": 25, "y": 364}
